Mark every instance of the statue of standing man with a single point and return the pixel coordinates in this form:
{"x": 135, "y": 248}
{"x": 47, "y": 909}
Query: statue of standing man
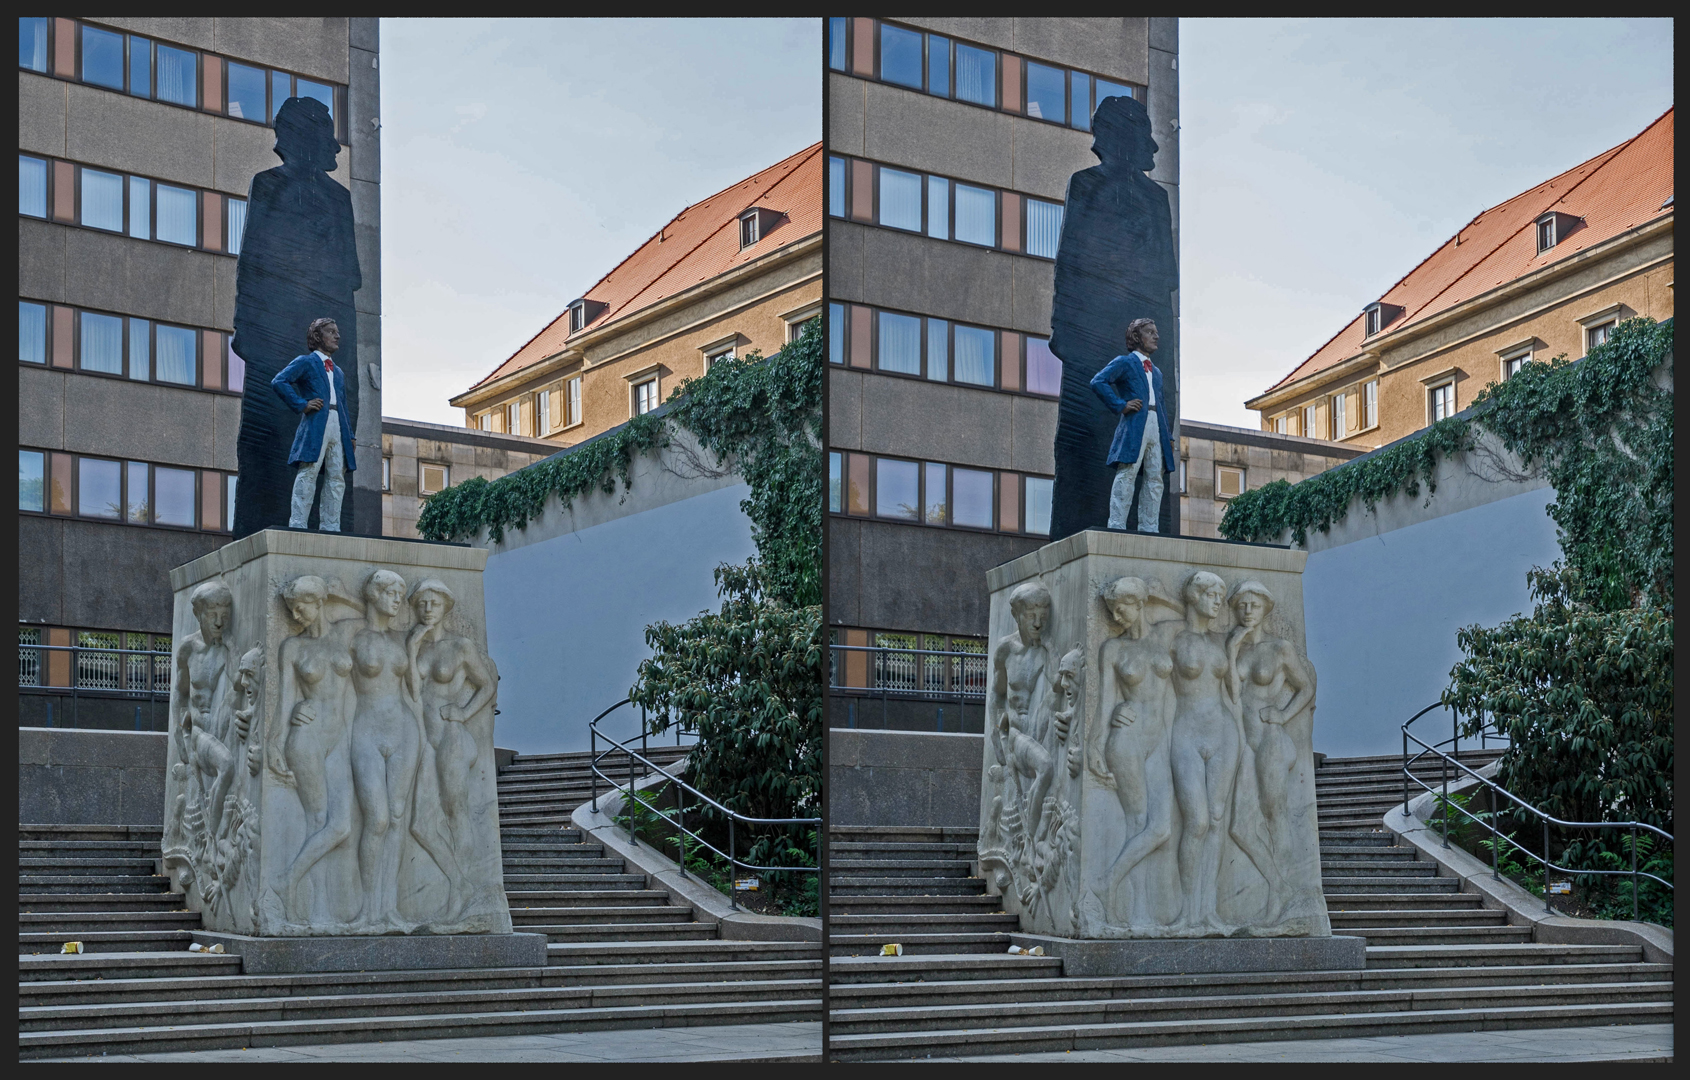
{"x": 313, "y": 386}
{"x": 1116, "y": 264}
{"x": 298, "y": 262}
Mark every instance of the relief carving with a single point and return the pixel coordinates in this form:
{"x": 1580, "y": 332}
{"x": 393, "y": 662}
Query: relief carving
{"x": 1172, "y": 798}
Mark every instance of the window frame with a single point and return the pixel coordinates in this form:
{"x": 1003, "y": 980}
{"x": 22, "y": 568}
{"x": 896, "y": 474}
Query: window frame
{"x": 1433, "y": 392}
{"x": 1000, "y": 478}
{"x": 1012, "y": 241}
{"x": 1243, "y": 481}
{"x": 387, "y": 474}
{"x": 422, "y": 472}
{"x": 127, "y": 373}
{"x": 572, "y": 404}
{"x": 638, "y": 382}
{"x": 73, "y": 495}
{"x": 1369, "y": 418}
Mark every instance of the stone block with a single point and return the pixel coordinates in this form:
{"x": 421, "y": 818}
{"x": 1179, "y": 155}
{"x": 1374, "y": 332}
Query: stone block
{"x": 331, "y": 739}
{"x": 299, "y": 955}
{"x": 1148, "y": 765}
{"x": 41, "y": 114}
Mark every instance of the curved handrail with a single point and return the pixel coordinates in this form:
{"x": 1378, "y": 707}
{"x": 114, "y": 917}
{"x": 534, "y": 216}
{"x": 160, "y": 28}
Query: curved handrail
{"x": 1447, "y": 760}
{"x": 678, "y": 819}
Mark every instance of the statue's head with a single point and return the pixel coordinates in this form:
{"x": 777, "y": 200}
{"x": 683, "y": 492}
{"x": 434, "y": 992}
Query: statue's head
{"x": 305, "y": 134}
{"x": 385, "y": 591}
{"x": 317, "y": 335}
{"x": 1029, "y": 605}
{"x": 1143, "y": 336}
{"x": 304, "y": 597}
{"x": 432, "y": 601}
{"x": 1251, "y": 603}
{"x": 1124, "y": 599}
{"x": 1204, "y": 591}
{"x": 1121, "y": 134}
{"x": 213, "y": 604}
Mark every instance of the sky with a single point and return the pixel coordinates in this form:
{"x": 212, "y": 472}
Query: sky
{"x": 1320, "y": 161}
{"x": 523, "y": 159}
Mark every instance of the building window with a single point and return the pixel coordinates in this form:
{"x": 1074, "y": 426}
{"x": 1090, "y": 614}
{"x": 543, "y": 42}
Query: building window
{"x": 1179, "y": 489}
{"x": 1442, "y": 401}
{"x": 1511, "y": 365}
{"x": 1309, "y": 428}
{"x": 485, "y": 421}
{"x": 100, "y": 343}
{"x": 32, "y": 44}
{"x": 838, "y": 37}
{"x": 433, "y": 479}
{"x": 645, "y": 397}
{"x": 1047, "y": 93}
{"x": 32, "y": 332}
{"x": 976, "y": 75}
{"x": 975, "y": 356}
{"x": 236, "y": 225}
{"x": 836, "y": 186}
{"x": 128, "y": 492}
{"x": 1337, "y": 411}
{"x": 513, "y": 418}
{"x": 1599, "y": 335}
{"x": 835, "y": 481}
{"x": 1044, "y": 227}
{"x": 900, "y": 199}
{"x": 1370, "y": 404}
{"x": 1044, "y": 369}
{"x": 720, "y": 352}
{"x": 1229, "y": 482}
{"x": 1282, "y": 424}
{"x": 543, "y": 413}
{"x": 1375, "y": 319}
{"x": 976, "y": 215}
{"x": 972, "y": 498}
{"x": 934, "y": 493}
{"x": 1038, "y": 505}
{"x": 572, "y": 401}
{"x": 387, "y": 474}
{"x": 748, "y": 233}
{"x": 32, "y": 186}
{"x": 577, "y": 317}
{"x": 899, "y": 343}
{"x": 900, "y": 56}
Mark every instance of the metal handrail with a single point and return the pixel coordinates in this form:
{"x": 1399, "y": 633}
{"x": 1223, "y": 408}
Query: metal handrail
{"x": 679, "y": 818}
{"x": 157, "y": 686}
{"x": 1446, "y": 760}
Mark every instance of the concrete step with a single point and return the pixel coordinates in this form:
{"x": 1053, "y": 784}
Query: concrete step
{"x": 1060, "y": 1037}
{"x": 82, "y": 849}
{"x": 91, "y": 901}
{"x": 224, "y": 1010}
{"x": 106, "y": 941}
{"x": 889, "y": 868}
{"x": 117, "y": 964}
{"x": 96, "y": 884}
{"x": 1081, "y": 1012}
{"x": 151, "y": 833}
{"x": 903, "y": 834}
{"x": 1335, "y": 885}
{"x": 603, "y": 880}
{"x": 614, "y": 932}
{"x": 1379, "y": 902}
{"x": 1441, "y": 934}
{"x": 841, "y": 886}
{"x": 32, "y": 866}
{"x": 527, "y": 864}
{"x": 417, "y": 1026}
{"x": 849, "y": 849}
{"x": 1378, "y": 867}
{"x": 1436, "y": 955}
{"x": 929, "y": 944}
{"x": 177, "y": 988}
{"x": 70, "y": 923}
{"x": 563, "y": 898}
{"x": 845, "y": 970}
{"x": 583, "y": 954}
{"x": 586, "y": 916}
{"x": 898, "y": 907}
{"x": 1394, "y": 917}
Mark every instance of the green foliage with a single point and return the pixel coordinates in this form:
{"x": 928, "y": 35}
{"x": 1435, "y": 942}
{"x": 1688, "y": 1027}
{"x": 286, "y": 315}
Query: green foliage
{"x": 760, "y": 416}
{"x": 1264, "y": 514}
{"x": 766, "y": 417}
{"x": 512, "y": 501}
{"x": 1603, "y": 432}
{"x": 748, "y": 681}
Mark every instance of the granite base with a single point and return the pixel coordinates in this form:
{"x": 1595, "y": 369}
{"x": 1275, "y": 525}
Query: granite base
{"x": 1200, "y": 956}
{"x": 420, "y": 952}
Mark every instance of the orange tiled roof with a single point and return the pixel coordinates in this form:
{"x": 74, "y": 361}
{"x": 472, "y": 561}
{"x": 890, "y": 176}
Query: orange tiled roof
{"x": 699, "y": 243}
{"x": 1614, "y": 191}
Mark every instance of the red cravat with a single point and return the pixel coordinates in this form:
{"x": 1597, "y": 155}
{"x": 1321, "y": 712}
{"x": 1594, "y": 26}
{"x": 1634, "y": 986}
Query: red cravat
{"x": 328, "y": 365}
{"x": 1146, "y": 365}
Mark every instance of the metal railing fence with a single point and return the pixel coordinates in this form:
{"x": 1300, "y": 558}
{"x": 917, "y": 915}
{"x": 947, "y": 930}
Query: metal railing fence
{"x": 1450, "y": 760}
{"x": 677, "y": 816}
{"x": 142, "y": 675}
{"x": 901, "y": 673}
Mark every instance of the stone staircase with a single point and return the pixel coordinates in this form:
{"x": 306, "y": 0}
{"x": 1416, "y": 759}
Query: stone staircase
{"x": 1436, "y": 960}
{"x": 621, "y": 954}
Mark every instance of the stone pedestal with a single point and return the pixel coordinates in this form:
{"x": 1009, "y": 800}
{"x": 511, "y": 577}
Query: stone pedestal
{"x": 1148, "y": 768}
{"x": 331, "y": 767}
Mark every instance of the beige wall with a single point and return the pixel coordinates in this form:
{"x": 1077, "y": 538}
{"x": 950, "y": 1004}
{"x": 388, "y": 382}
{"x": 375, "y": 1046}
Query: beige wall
{"x": 671, "y": 345}
{"x": 402, "y": 504}
{"x": 1637, "y": 277}
{"x": 1201, "y": 508}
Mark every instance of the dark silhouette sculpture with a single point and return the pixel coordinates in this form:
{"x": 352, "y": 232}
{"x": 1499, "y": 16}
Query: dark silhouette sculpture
{"x": 298, "y": 263}
{"x": 1116, "y": 263}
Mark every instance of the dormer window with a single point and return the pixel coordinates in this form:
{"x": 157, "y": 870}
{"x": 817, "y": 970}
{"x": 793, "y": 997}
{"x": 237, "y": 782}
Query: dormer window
{"x": 1552, "y": 228}
{"x": 582, "y": 312}
{"x": 755, "y": 224}
{"x": 1375, "y": 317}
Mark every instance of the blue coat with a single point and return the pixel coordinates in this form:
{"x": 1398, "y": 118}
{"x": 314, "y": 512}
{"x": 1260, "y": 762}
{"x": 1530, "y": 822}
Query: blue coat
{"x": 297, "y": 384}
{"x": 1120, "y": 381}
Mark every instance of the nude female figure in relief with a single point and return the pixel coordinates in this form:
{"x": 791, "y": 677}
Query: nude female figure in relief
{"x": 1207, "y": 737}
{"x": 1274, "y": 685}
{"x": 386, "y": 746}
{"x": 1128, "y": 747}
{"x": 453, "y": 681}
{"x": 308, "y": 748}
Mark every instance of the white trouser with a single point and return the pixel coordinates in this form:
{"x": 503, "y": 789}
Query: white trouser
{"x": 1150, "y": 499}
{"x": 334, "y": 487}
